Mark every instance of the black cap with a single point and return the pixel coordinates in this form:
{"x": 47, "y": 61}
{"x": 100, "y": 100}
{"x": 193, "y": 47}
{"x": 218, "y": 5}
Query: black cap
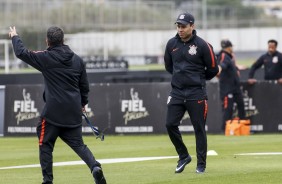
{"x": 185, "y": 18}
{"x": 225, "y": 43}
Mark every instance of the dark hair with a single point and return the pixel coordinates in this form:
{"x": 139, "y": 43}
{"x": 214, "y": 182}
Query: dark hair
{"x": 55, "y": 36}
{"x": 225, "y": 43}
{"x": 273, "y": 41}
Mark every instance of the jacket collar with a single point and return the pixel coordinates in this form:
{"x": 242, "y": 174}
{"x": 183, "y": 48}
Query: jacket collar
{"x": 230, "y": 55}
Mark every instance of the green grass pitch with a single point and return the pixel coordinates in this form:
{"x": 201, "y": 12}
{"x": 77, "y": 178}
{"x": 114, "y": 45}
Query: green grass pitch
{"x": 225, "y": 168}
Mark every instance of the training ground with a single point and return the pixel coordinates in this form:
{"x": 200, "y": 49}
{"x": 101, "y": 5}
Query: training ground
{"x": 148, "y": 159}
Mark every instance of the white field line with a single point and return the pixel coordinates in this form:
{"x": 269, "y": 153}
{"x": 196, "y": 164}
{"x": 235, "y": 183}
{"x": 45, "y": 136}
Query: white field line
{"x": 259, "y": 154}
{"x": 102, "y": 161}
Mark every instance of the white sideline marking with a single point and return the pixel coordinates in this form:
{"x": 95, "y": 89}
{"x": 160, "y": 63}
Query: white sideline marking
{"x": 102, "y": 161}
{"x": 259, "y": 154}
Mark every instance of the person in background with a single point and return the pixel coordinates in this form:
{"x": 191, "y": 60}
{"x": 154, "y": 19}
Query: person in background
{"x": 191, "y": 61}
{"x": 272, "y": 62}
{"x": 229, "y": 84}
{"x": 65, "y": 95}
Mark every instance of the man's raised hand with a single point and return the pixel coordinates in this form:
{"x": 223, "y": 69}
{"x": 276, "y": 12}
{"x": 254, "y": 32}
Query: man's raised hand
{"x": 13, "y": 32}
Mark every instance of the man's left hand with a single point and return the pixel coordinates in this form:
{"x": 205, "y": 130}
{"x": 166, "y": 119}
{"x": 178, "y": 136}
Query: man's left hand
{"x": 219, "y": 70}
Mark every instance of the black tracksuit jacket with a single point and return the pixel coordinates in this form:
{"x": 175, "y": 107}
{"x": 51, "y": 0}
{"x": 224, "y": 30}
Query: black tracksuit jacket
{"x": 191, "y": 63}
{"x": 272, "y": 66}
{"x": 66, "y": 84}
{"x": 229, "y": 81}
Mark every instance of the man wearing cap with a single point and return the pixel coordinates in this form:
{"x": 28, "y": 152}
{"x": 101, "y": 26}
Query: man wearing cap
{"x": 229, "y": 83}
{"x": 272, "y": 62}
{"x": 191, "y": 61}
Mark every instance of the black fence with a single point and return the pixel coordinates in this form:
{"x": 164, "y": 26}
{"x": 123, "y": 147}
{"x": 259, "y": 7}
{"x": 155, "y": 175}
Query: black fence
{"x": 140, "y": 108}
{"x": 97, "y": 64}
{"x": 108, "y": 76}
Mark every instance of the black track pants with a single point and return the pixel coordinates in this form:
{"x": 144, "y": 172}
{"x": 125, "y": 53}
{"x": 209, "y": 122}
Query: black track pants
{"x": 47, "y": 135}
{"x": 197, "y": 110}
{"x": 227, "y": 107}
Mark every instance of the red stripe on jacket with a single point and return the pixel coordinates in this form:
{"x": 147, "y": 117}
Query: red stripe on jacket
{"x": 222, "y": 57}
{"x": 212, "y": 55}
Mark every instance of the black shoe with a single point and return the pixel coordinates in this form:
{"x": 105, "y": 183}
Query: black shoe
{"x": 98, "y": 175}
{"x": 182, "y": 163}
{"x": 200, "y": 170}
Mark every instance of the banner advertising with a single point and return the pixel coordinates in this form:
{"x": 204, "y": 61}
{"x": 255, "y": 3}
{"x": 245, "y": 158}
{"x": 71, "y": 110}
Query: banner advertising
{"x": 263, "y": 105}
{"x": 23, "y": 104}
{"x": 129, "y": 108}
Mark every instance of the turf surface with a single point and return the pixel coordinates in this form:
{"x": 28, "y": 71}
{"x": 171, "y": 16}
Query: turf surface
{"x": 225, "y": 168}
